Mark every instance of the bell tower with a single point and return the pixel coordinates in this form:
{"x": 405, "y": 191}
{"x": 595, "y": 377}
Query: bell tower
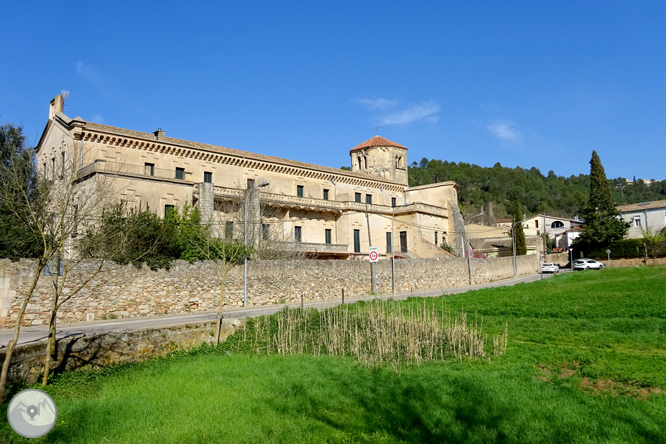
{"x": 381, "y": 157}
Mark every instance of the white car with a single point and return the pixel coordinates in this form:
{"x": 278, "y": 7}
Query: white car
{"x": 549, "y": 267}
{"x": 587, "y": 264}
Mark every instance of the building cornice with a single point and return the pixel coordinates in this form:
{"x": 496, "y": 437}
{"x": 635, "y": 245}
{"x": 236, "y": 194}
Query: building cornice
{"x": 112, "y": 136}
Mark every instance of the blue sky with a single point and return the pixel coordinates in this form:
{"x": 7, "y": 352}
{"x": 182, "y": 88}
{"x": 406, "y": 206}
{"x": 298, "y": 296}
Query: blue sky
{"x": 529, "y": 83}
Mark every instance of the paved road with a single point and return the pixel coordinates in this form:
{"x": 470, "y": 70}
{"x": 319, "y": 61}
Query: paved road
{"x": 32, "y": 334}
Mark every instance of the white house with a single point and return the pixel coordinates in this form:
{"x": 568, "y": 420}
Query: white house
{"x": 645, "y": 216}
{"x": 555, "y": 227}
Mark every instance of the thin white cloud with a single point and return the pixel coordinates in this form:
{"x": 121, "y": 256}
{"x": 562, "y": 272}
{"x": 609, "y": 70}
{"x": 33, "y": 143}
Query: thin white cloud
{"x": 109, "y": 88}
{"x": 506, "y": 131}
{"x": 97, "y": 118}
{"x": 426, "y": 111}
{"x": 379, "y": 103}
{"x": 91, "y": 75}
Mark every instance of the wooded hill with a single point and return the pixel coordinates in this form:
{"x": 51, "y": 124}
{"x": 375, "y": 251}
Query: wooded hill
{"x": 496, "y": 188}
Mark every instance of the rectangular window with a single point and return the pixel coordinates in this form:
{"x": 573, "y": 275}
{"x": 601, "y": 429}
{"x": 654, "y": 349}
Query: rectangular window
{"x": 389, "y": 242}
{"x": 168, "y": 209}
{"x": 208, "y": 177}
{"x": 298, "y": 234}
{"x": 536, "y": 224}
{"x": 265, "y": 231}
{"x": 299, "y": 190}
{"x": 403, "y": 241}
{"x": 368, "y": 199}
{"x": 149, "y": 169}
{"x": 228, "y": 230}
{"x": 180, "y": 173}
{"x": 637, "y": 221}
{"x": 75, "y": 229}
{"x": 325, "y": 194}
{"x": 436, "y": 238}
{"x": 250, "y": 184}
{"x": 53, "y": 169}
{"x": 357, "y": 241}
{"x": 327, "y": 236}
{"x": 62, "y": 169}
{"x": 393, "y": 202}
{"x": 357, "y": 197}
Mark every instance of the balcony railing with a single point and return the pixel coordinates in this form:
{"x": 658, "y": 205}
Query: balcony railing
{"x": 312, "y": 203}
{"x": 313, "y": 247}
{"x": 124, "y": 169}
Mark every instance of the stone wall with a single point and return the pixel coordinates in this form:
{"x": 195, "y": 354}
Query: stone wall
{"x": 96, "y": 351}
{"x": 125, "y": 291}
{"x": 635, "y": 262}
{"x": 563, "y": 259}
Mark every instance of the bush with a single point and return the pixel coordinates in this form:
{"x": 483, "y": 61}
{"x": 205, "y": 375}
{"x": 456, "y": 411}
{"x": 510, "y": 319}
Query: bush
{"x": 626, "y": 248}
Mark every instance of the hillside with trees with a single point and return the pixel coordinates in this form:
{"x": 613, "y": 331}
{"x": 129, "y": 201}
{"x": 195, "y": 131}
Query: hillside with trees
{"x": 497, "y": 187}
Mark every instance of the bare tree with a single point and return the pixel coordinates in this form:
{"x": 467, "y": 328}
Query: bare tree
{"x": 64, "y": 204}
{"x": 222, "y": 239}
{"x": 26, "y": 210}
{"x": 71, "y": 205}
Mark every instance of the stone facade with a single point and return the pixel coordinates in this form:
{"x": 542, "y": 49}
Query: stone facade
{"x": 326, "y": 212}
{"x": 124, "y": 291}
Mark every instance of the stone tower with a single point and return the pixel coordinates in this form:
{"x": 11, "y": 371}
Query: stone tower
{"x": 382, "y": 158}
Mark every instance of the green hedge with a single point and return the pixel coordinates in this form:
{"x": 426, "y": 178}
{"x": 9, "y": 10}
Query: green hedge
{"x": 626, "y": 248}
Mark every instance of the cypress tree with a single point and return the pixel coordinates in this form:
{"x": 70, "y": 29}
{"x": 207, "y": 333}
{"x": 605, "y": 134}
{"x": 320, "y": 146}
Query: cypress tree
{"x": 603, "y": 224}
{"x": 521, "y": 245}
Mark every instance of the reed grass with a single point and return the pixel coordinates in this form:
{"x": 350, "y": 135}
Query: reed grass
{"x": 382, "y": 332}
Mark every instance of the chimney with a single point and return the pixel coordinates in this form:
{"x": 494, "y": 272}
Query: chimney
{"x": 56, "y": 106}
{"x": 159, "y": 134}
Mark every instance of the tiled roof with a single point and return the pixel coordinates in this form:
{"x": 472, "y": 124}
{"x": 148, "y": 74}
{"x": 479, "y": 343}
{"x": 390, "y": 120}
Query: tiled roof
{"x": 377, "y": 141}
{"x": 233, "y": 152}
{"x": 642, "y": 206}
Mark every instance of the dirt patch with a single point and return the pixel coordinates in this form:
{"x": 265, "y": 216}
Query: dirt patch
{"x": 568, "y": 370}
{"x": 551, "y": 373}
{"x": 614, "y": 388}
{"x": 545, "y": 372}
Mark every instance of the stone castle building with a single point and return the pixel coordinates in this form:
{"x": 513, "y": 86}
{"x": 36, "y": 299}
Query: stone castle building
{"x": 324, "y": 212}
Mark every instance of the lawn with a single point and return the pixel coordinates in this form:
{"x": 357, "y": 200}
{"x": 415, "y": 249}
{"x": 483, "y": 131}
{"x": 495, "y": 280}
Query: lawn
{"x": 585, "y": 362}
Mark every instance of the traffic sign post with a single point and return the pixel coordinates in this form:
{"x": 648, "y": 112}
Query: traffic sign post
{"x": 373, "y": 253}
{"x": 608, "y": 252}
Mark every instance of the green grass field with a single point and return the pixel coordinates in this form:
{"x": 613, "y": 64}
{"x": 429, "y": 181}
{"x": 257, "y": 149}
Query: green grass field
{"x": 586, "y": 362}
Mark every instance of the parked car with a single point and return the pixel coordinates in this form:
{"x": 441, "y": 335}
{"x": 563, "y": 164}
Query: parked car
{"x": 587, "y": 264}
{"x": 549, "y": 267}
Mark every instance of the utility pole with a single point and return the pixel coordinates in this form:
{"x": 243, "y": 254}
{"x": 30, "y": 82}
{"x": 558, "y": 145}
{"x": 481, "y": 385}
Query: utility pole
{"x": 372, "y": 264}
{"x": 469, "y": 248}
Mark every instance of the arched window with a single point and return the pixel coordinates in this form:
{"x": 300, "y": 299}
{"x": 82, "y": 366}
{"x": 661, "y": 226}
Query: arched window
{"x": 360, "y": 167}
{"x": 365, "y": 162}
{"x": 557, "y": 224}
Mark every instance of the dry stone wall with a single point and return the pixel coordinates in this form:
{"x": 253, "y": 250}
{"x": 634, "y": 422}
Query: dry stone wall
{"x": 125, "y": 291}
{"x": 96, "y": 351}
